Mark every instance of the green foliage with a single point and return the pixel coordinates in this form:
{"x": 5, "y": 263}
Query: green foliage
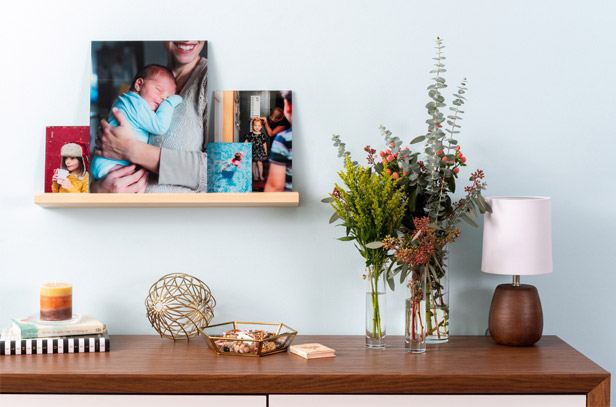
{"x": 422, "y": 183}
{"x": 370, "y": 206}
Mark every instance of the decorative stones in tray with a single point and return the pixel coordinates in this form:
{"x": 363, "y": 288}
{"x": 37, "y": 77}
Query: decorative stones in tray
{"x": 238, "y": 338}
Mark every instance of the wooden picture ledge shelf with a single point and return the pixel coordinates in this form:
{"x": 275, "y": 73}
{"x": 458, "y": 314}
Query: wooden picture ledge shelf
{"x": 468, "y": 365}
{"x": 255, "y": 199}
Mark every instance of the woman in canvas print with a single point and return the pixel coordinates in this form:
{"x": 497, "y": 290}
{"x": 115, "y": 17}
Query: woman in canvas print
{"x": 177, "y": 156}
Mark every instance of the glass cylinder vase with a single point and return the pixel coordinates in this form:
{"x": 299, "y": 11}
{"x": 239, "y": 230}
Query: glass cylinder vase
{"x": 437, "y": 299}
{"x": 375, "y": 309}
{"x": 415, "y": 312}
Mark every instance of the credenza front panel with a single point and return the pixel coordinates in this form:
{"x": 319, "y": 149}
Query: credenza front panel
{"x": 75, "y": 400}
{"x": 505, "y": 400}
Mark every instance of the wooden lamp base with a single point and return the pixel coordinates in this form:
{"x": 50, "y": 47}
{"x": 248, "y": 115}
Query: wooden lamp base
{"x": 516, "y": 318}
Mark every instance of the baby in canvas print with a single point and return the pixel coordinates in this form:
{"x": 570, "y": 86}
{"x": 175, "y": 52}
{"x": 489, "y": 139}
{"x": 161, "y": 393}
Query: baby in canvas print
{"x": 148, "y": 107}
{"x": 72, "y": 176}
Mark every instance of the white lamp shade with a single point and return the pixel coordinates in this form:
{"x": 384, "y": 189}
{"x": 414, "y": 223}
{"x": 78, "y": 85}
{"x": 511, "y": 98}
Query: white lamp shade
{"x": 517, "y": 236}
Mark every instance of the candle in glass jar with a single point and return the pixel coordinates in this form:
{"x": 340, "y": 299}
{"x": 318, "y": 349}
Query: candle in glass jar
{"x": 56, "y": 301}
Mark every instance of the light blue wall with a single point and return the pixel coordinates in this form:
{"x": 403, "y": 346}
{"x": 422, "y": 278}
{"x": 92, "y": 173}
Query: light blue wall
{"x": 539, "y": 121}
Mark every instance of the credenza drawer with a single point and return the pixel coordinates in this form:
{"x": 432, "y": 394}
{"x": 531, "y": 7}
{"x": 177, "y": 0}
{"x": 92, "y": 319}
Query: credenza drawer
{"x": 81, "y": 400}
{"x": 504, "y": 400}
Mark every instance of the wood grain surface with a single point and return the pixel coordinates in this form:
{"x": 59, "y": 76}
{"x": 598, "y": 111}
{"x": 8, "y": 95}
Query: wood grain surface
{"x": 465, "y": 365}
{"x": 256, "y": 199}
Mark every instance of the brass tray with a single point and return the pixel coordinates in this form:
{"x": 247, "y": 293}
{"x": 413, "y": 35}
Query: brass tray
{"x": 248, "y": 338}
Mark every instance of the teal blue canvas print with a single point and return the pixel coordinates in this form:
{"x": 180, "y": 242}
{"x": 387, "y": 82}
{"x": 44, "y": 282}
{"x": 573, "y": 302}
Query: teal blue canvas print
{"x": 229, "y": 167}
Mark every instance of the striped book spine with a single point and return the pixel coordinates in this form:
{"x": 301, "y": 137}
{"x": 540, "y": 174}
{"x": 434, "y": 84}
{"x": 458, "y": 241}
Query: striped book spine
{"x": 44, "y": 346}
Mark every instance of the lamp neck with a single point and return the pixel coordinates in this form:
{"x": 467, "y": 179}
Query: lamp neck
{"x": 516, "y": 281}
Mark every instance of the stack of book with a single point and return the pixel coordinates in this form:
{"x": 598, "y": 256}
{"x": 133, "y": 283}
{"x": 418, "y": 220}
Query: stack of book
{"x": 32, "y": 336}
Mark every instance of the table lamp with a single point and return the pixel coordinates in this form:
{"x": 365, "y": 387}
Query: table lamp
{"x": 517, "y": 241}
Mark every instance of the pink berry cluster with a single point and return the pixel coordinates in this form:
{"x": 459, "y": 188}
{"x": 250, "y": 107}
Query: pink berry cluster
{"x": 457, "y": 161}
{"x": 390, "y": 162}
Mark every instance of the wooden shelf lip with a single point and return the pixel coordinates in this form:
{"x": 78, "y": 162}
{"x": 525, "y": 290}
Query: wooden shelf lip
{"x": 254, "y": 199}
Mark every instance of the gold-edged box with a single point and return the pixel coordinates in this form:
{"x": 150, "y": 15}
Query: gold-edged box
{"x": 281, "y": 338}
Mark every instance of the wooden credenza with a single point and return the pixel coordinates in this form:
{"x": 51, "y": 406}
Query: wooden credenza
{"x": 469, "y": 370}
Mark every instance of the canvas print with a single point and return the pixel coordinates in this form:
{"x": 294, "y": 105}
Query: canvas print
{"x": 67, "y": 159}
{"x": 160, "y": 90}
{"x": 262, "y": 118}
{"x": 229, "y": 167}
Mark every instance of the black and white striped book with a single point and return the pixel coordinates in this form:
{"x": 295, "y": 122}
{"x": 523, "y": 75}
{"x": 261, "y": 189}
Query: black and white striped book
{"x": 12, "y": 344}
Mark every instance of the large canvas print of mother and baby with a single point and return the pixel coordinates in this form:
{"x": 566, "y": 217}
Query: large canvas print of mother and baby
{"x": 148, "y": 116}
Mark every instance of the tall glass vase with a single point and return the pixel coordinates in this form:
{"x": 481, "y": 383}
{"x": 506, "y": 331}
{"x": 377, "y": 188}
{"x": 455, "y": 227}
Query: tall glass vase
{"x": 375, "y": 309}
{"x": 415, "y": 312}
{"x": 437, "y": 299}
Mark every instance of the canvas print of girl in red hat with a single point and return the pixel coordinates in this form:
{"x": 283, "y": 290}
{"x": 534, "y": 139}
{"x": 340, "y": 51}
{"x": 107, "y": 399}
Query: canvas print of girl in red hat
{"x": 67, "y": 166}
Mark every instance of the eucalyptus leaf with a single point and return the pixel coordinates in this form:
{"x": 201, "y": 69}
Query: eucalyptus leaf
{"x": 438, "y": 263}
{"x": 418, "y": 139}
{"x": 487, "y": 206}
{"x": 334, "y": 218}
{"x": 374, "y": 245}
{"x": 346, "y": 238}
{"x": 391, "y": 283}
{"x": 404, "y": 271}
{"x": 329, "y": 199}
{"x": 473, "y": 210}
{"x": 479, "y": 204}
{"x": 468, "y": 220}
{"x": 451, "y": 184}
{"x": 412, "y": 201}
{"x": 433, "y": 272}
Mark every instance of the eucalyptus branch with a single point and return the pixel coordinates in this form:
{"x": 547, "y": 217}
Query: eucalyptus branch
{"x": 459, "y": 101}
{"x": 435, "y": 136}
{"x": 342, "y": 152}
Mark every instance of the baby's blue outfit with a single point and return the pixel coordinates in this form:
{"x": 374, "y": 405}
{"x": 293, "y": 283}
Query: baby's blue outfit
{"x": 143, "y": 122}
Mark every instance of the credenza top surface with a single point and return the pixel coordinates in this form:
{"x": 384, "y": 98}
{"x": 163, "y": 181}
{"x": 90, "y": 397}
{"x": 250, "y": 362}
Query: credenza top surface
{"x": 464, "y": 364}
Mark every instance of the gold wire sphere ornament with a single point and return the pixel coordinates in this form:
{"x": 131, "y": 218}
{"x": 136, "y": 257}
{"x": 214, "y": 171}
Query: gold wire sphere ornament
{"x": 179, "y": 306}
